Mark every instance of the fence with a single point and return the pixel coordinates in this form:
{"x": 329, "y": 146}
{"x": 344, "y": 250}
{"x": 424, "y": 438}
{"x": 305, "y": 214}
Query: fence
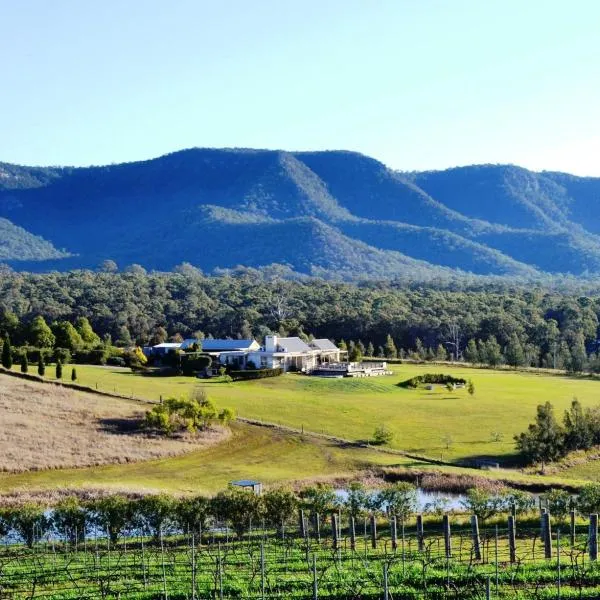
{"x": 350, "y": 560}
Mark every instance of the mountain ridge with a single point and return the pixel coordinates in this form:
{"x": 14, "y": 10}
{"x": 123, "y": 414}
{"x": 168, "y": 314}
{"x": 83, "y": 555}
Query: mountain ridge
{"x": 332, "y": 213}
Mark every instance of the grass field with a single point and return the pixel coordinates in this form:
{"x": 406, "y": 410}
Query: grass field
{"x": 256, "y": 452}
{"x": 436, "y": 423}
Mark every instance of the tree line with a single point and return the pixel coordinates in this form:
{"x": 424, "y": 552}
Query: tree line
{"x": 116, "y": 516}
{"x": 488, "y": 325}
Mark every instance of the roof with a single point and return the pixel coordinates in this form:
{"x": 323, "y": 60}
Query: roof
{"x": 245, "y": 483}
{"x": 168, "y": 345}
{"x": 323, "y": 344}
{"x": 293, "y": 344}
{"x": 222, "y": 345}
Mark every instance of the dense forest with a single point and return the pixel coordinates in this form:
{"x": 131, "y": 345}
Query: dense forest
{"x": 350, "y": 217}
{"x": 492, "y": 325}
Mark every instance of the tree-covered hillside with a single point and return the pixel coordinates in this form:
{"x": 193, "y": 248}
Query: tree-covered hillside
{"x": 336, "y": 214}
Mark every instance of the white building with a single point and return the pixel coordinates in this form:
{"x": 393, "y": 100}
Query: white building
{"x": 287, "y": 353}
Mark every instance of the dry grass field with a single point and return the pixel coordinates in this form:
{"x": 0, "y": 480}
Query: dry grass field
{"x": 47, "y": 427}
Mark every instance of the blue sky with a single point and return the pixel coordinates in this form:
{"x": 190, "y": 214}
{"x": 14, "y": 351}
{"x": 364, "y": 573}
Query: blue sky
{"x": 419, "y": 84}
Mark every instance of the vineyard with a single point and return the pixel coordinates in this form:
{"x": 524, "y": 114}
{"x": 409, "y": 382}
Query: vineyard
{"x": 352, "y": 560}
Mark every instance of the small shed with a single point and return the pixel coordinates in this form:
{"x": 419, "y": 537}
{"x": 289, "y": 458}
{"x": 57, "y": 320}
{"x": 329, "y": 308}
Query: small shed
{"x": 248, "y": 484}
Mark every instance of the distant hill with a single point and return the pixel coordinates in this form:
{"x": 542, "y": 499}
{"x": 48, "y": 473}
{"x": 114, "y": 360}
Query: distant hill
{"x": 332, "y": 214}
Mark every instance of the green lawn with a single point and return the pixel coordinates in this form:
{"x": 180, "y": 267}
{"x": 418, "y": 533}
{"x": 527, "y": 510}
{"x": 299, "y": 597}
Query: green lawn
{"x": 421, "y": 420}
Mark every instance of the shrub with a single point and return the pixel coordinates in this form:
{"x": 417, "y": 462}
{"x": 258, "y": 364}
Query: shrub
{"x": 69, "y": 519}
{"x": 239, "y": 507}
{"x": 194, "y": 362}
{"x": 192, "y": 514}
{"x": 255, "y": 374}
{"x": 154, "y": 513}
{"x": 30, "y": 522}
{"x": 399, "y": 499}
{"x": 427, "y": 378}
{"x": 484, "y": 504}
{"x": 112, "y": 514}
{"x": 115, "y": 361}
{"x": 61, "y": 354}
{"x": 382, "y": 436}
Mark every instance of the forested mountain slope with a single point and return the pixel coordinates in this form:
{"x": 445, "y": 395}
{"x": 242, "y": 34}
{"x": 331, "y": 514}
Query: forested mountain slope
{"x": 334, "y": 214}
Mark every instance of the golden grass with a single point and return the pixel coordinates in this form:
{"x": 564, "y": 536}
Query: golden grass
{"x": 47, "y": 427}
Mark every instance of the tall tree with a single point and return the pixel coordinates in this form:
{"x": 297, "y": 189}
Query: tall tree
{"x": 84, "y": 328}
{"x": 513, "y": 353}
{"x": 544, "y": 440}
{"x": 40, "y": 335}
{"x": 41, "y": 366}
{"x": 7, "y": 361}
{"x": 471, "y": 353}
{"x": 390, "y": 348}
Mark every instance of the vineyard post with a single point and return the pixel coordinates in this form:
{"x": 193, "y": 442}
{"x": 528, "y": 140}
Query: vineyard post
{"x": 593, "y": 537}
{"x": 315, "y": 583}
{"x": 386, "y": 591}
{"x": 476, "y": 538}
{"x": 572, "y": 528}
{"x": 558, "y": 563}
{"x": 512, "y": 539}
{"x": 318, "y": 527}
{"x": 352, "y": 534}
{"x": 420, "y": 534}
{"x": 334, "y": 530}
{"x": 220, "y": 571}
{"x": 373, "y": 532}
{"x": 447, "y": 536}
{"x": 162, "y": 558}
{"x": 547, "y": 530}
{"x": 403, "y": 543}
{"x": 193, "y": 567}
{"x": 394, "y": 533}
{"x": 488, "y": 588}
{"x": 302, "y": 523}
{"x": 496, "y": 557}
{"x": 542, "y": 523}
{"x": 262, "y": 570}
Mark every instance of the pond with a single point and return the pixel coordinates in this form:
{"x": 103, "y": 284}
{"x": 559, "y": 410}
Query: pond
{"x": 427, "y": 500}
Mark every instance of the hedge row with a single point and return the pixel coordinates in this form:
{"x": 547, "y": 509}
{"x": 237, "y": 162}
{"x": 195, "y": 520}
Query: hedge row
{"x": 431, "y": 378}
{"x": 255, "y": 374}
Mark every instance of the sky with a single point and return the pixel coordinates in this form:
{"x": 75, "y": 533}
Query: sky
{"x": 417, "y": 84}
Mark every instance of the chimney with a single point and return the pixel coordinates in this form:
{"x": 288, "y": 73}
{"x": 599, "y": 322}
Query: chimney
{"x": 270, "y": 343}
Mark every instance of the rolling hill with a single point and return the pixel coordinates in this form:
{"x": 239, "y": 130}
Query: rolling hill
{"x": 332, "y": 214}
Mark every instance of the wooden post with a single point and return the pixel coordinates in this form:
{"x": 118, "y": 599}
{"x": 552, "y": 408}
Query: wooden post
{"x": 547, "y": 535}
{"x": 593, "y": 537}
{"x": 334, "y": 530}
{"x": 373, "y": 532}
{"x": 512, "y": 546}
{"x": 302, "y": 523}
{"x": 476, "y": 538}
{"x": 394, "y": 533}
{"x": 572, "y": 528}
{"x": 318, "y": 527}
{"x": 420, "y": 534}
{"x": 447, "y": 536}
{"x": 542, "y": 522}
{"x": 352, "y": 534}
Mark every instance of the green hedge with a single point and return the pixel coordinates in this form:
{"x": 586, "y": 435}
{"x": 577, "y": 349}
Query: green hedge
{"x": 439, "y": 378}
{"x": 255, "y": 373}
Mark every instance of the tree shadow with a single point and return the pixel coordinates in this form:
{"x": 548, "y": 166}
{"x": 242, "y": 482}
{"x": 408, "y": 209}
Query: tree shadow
{"x": 122, "y": 425}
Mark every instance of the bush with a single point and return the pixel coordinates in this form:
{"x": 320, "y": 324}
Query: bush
{"x": 194, "y": 362}
{"x": 382, "y": 436}
{"x": 115, "y": 361}
{"x": 255, "y": 374}
{"x": 428, "y": 378}
{"x": 95, "y": 356}
{"x": 62, "y": 354}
